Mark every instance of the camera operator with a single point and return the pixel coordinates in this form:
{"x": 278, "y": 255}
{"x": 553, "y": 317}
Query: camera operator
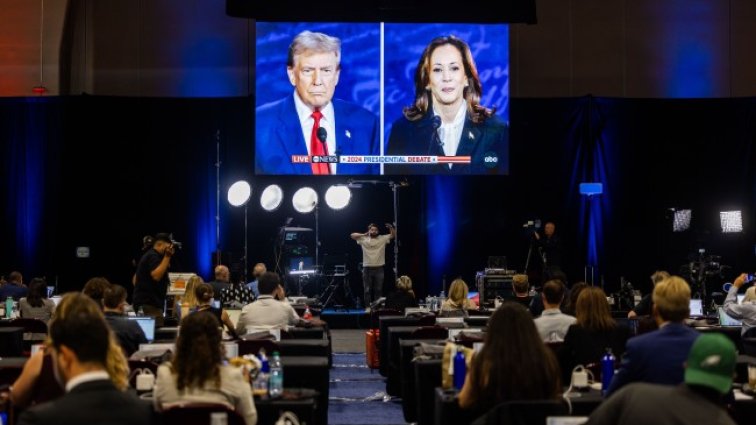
{"x": 152, "y": 278}
{"x": 550, "y": 250}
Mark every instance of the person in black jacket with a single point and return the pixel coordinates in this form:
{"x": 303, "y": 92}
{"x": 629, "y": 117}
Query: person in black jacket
{"x": 403, "y": 296}
{"x": 550, "y": 249}
{"x": 594, "y": 332}
{"x": 151, "y": 281}
{"x": 129, "y": 333}
{"x": 80, "y": 349}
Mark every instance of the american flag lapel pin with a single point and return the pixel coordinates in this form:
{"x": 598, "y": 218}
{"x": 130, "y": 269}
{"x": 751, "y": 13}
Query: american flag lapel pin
{"x": 348, "y": 134}
{"x": 470, "y": 134}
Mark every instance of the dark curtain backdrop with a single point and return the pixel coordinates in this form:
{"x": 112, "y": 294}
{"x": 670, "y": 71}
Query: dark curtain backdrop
{"x": 101, "y": 172}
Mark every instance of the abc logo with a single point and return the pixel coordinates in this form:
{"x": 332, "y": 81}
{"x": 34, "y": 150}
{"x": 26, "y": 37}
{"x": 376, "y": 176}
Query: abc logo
{"x": 490, "y": 159}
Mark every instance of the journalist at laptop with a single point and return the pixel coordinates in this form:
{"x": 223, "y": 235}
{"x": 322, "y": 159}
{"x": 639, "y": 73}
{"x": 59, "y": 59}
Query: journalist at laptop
{"x": 746, "y": 310}
{"x": 129, "y": 332}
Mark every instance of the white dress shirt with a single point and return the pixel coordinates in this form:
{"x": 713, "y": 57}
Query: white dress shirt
{"x": 327, "y": 121}
{"x": 450, "y": 133}
{"x": 98, "y": 375}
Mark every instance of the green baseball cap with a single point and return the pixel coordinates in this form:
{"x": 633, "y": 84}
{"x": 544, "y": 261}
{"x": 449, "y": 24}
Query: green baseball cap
{"x": 711, "y": 362}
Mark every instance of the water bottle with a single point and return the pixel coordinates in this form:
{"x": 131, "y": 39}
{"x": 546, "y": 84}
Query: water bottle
{"x": 442, "y": 297}
{"x": 140, "y": 313}
{"x": 8, "y": 307}
{"x": 607, "y": 370}
{"x": 460, "y": 369}
{"x": 307, "y": 313}
{"x": 260, "y": 384}
{"x": 275, "y": 383}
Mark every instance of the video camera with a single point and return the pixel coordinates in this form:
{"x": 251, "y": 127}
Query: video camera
{"x": 176, "y": 244}
{"x": 532, "y": 224}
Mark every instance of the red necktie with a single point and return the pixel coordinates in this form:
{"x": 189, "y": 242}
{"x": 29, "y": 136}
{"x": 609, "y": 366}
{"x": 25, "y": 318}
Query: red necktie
{"x": 317, "y": 147}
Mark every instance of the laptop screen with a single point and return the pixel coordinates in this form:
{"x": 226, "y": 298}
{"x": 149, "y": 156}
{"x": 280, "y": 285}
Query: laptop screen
{"x": 726, "y": 320}
{"x": 148, "y": 326}
{"x": 696, "y": 307}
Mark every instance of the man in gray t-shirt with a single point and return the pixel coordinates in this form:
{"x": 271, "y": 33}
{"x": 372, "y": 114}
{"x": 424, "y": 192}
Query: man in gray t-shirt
{"x": 373, "y": 259}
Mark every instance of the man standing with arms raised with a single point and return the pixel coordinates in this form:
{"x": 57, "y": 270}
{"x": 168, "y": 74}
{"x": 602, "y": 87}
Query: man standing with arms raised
{"x": 373, "y": 259}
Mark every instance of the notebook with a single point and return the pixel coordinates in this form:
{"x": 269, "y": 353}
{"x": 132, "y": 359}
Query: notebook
{"x": 148, "y": 326}
{"x": 725, "y": 320}
{"x": 696, "y": 307}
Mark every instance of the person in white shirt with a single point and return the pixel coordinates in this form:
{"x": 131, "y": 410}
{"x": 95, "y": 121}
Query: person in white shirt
{"x": 745, "y": 312}
{"x": 553, "y": 324}
{"x": 267, "y": 312}
{"x": 373, "y": 259}
{"x": 196, "y": 374}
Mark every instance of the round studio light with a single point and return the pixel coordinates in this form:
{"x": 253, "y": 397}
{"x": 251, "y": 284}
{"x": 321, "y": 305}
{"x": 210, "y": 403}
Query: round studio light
{"x": 239, "y": 193}
{"x": 271, "y": 197}
{"x": 305, "y": 200}
{"x": 338, "y": 197}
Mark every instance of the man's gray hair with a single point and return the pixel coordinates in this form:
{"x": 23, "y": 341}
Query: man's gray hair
{"x": 313, "y": 41}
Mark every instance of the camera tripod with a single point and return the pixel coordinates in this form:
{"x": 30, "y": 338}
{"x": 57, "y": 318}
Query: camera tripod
{"x": 339, "y": 279}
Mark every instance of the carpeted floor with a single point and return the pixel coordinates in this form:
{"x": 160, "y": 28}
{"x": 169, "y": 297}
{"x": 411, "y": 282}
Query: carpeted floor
{"x": 357, "y": 395}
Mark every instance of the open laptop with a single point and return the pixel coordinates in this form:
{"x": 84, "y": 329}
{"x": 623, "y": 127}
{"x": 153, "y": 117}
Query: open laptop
{"x": 725, "y": 320}
{"x": 148, "y": 326}
{"x": 696, "y": 307}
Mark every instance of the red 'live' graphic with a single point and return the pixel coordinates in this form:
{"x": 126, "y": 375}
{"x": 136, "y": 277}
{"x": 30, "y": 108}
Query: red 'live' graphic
{"x": 300, "y": 159}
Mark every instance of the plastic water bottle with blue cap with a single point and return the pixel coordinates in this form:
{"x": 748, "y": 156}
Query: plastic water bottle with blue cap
{"x": 275, "y": 381}
{"x": 607, "y": 371}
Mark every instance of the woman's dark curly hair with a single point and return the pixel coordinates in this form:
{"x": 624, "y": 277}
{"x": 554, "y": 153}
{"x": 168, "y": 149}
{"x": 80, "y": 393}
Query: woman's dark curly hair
{"x": 198, "y": 352}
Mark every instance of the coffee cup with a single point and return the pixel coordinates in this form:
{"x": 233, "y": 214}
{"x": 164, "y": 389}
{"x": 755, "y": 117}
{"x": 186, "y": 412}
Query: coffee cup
{"x": 752, "y": 375}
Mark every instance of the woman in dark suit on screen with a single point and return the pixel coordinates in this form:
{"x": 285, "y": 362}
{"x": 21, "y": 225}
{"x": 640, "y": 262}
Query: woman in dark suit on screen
{"x": 447, "y": 118}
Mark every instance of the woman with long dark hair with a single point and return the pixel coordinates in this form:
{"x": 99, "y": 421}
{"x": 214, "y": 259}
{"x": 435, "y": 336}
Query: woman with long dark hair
{"x": 514, "y": 364}
{"x": 196, "y": 373}
{"x": 205, "y": 296}
{"x": 36, "y": 305}
{"x": 446, "y": 117}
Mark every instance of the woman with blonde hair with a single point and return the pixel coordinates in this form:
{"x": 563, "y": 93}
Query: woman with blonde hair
{"x": 457, "y": 303}
{"x": 37, "y": 382}
{"x": 592, "y": 334}
{"x": 403, "y": 296}
{"x": 188, "y": 301}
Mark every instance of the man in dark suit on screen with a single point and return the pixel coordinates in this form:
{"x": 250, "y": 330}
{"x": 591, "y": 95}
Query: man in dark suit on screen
{"x": 310, "y": 121}
{"x": 80, "y": 348}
